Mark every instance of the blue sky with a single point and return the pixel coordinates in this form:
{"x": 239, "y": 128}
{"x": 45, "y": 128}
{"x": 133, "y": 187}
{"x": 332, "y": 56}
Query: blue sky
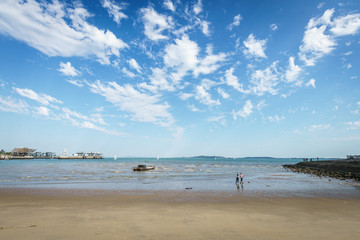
{"x": 181, "y": 78}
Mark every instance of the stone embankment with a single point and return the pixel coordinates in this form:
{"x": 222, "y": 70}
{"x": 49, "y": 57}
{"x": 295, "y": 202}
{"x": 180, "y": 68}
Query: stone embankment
{"x": 341, "y": 169}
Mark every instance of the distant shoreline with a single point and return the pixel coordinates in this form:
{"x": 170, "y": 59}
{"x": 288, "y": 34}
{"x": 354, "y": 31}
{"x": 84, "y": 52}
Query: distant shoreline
{"x": 340, "y": 168}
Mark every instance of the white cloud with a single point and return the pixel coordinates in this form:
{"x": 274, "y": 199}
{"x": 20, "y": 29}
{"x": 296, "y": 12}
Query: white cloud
{"x": 198, "y": 7}
{"x": 77, "y": 83}
{"x": 69, "y": 114}
{"x": 321, "y": 5}
{"x": 182, "y": 55}
{"x": 275, "y": 118}
{"x": 346, "y": 25}
{"x": 245, "y": 111}
{"x": 68, "y": 70}
{"x": 8, "y": 104}
{"x": 44, "y": 26}
{"x": 254, "y": 48}
{"x": 318, "y": 127}
{"x": 273, "y": 27}
{"x": 223, "y": 94}
{"x": 311, "y": 83}
{"x": 236, "y": 22}
{"x": 132, "y": 62}
{"x": 43, "y": 111}
{"x": 353, "y": 125}
{"x": 128, "y": 73}
{"x": 210, "y": 63}
{"x": 321, "y": 32}
{"x": 315, "y": 45}
{"x": 261, "y": 105}
{"x": 263, "y": 81}
{"x": 142, "y": 106}
{"x": 115, "y": 10}
{"x": 208, "y": 84}
{"x": 159, "y": 80}
{"x": 185, "y": 96}
{"x": 205, "y": 27}
{"x": 155, "y": 24}
{"x": 98, "y": 118}
{"x": 193, "y": 108}
{"x": 233, "y": 81}
{"x": 41, "y": 98}
{"x": 204, "y": 97}
{"x": 169, "y": 5}
{"x": 293, "y": 71}
{"x": 218, "y": 119}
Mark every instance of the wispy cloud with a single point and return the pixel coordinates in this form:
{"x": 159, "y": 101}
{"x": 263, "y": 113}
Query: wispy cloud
{"x": 273, "y": 27}
{"x": 44, "y": 26}
{"x": 276, "y": 118}
{"x": 218, "y": 119}
{"x": 198, "y": 7}
{"x": 265, "y": 81}
{"x": 9, "y": 104}
{"x": 236, "y": 22}
{"x": 310, "y": 83}
{"x": 293, "y": 71}
{"x": 143, "y": 107}
{"x": 353, "y": 125}
{"x": 68, "y": 70}
{"x": 233, "y": 81}
{"x": 155, "y": 24}
{"x": 245, "y": 111}
{"x": 203, "y": 96}
{"x": 318, "y": 127}
{"x": 133, "y": 64}
{"x": 222, "y": 93}
{"x": 321, "y": 33}
{"x": 183, "y": 57}
{"x": 115, "y": 10}
{"x": 254, "y": 48}
{"x": 77, "y": 83}
{"x": 169, "y": 5}
{"x": 41, "y": 98}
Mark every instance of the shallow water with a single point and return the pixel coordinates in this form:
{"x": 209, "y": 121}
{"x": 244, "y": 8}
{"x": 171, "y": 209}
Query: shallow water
{"x": 262, "y": 177}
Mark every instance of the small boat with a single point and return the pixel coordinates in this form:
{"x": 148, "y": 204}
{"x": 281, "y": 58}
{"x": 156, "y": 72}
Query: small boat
{"x": 143, "y": 168}
{"x": 115, "y": 157}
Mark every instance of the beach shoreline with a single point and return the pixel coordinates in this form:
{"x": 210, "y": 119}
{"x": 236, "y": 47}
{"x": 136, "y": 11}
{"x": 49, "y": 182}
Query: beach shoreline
{"x": 61, "y": 214}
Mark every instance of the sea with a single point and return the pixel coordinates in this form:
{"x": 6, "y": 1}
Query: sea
{"x": 262, "y": 176}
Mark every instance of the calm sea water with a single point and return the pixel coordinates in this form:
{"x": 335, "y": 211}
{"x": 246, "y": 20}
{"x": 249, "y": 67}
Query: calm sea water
{"x": 262, "y": 176}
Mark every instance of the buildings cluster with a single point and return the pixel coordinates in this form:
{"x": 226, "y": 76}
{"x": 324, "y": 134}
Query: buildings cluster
{"x": 29, "y": 153}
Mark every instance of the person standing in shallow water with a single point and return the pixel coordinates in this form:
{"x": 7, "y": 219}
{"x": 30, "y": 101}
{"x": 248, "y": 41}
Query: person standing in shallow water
{"x": 241, "y": 178}
{"x": 237, "y": 179}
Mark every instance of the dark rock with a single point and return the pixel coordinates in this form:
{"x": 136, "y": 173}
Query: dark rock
{"x": 341, "y": 169}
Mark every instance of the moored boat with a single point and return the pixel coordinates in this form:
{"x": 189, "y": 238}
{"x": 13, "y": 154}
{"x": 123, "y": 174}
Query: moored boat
{"x": 143, "y": 167}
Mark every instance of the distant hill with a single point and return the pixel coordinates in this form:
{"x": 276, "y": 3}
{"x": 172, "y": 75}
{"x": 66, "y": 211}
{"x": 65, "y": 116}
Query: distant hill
{"x": 210, "y": 157}
{"x": 221, "y": 157}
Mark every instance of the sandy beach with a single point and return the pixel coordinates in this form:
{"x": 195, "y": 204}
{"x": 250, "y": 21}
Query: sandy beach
{"x": 173, "y": 215}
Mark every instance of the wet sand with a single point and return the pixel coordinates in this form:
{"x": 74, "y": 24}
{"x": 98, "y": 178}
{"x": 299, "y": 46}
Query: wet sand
{"x": 173, "y": 215}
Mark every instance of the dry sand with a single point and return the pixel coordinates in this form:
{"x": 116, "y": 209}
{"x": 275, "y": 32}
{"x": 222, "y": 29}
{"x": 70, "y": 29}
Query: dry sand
{"x": 179, "y": 215}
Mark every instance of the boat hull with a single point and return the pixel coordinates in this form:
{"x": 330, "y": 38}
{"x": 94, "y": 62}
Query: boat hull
{"x": 144, "y": 168}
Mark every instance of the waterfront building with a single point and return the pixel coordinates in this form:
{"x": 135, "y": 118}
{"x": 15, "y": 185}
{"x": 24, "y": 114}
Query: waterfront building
{"x": 22, "y": 152}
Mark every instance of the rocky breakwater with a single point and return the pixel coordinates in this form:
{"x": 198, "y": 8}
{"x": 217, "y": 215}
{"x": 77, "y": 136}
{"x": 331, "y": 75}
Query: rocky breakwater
{"x": 341, "y": 169}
